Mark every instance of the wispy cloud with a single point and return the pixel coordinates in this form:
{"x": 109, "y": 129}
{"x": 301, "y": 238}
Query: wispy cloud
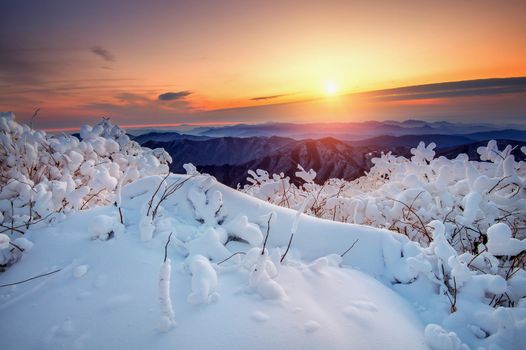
{"x": 172, "y": 96}
{"x": 103, "y": 53}
{"x": 478, "y": 87}
{"x": 126, "y": 103}
{"x": 263, "y": 98}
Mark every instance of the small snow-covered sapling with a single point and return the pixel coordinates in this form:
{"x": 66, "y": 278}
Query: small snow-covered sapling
{"x": 167, "y": 312}
{"x": 294, "y": 228}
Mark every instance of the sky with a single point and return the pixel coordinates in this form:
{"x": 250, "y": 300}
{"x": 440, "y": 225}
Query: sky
{"x": 221, "y": 62}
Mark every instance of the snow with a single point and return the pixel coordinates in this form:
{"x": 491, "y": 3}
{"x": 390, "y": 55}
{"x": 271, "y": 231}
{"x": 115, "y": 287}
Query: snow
{"x": 102, "y": 227}
{"x": 260, "y": 316}
{"x": 80, "y": 271}
{"x": 46, "y": 176}
{"x": 4, "y": 241}
{"x": 195, "y": 274}
{"x": 204, "y": 280}
{"x": 439, "y": 339}
{"x": 500, "y": 241}
{"x": 120, "y": 290}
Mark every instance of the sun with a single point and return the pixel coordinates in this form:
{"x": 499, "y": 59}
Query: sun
{"x": 331, "y": 88}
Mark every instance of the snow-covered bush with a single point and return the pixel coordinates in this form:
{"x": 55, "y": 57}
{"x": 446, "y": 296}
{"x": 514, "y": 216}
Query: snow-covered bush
{"x": 202, "y": 239}
{"x": 461, "y": 263}
{"x": 43, "y": 176}
{"x": 480, "y": 206}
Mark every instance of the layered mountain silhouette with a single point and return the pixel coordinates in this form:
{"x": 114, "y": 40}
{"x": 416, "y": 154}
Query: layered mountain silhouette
{"x": 230, "y": 158}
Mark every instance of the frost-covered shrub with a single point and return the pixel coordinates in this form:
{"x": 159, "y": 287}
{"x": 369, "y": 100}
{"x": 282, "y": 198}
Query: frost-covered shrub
{"x": 203, "y": 234}
{"x": 44, "y": 175}
{"x": 480, "y": 205}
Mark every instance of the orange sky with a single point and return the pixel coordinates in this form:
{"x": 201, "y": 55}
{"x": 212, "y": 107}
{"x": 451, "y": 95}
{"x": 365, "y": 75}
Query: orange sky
{"x": 81, "y": 60}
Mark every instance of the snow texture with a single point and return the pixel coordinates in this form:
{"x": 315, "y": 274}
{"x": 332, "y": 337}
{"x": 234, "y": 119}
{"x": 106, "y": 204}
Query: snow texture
{"x": 453, "y": 280}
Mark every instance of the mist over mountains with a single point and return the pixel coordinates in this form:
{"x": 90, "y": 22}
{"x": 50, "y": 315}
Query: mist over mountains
{"x": 352, "y": 131}
{"x": 228, "y": 153}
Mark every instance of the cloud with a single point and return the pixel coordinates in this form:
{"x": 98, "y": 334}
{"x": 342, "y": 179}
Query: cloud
{"x": 262, "y": 98}
{"x": 478, "y": 87}
{"x": 135, "y": 105}
{"x": 171, "y": 96}
{"x": 133, "y": 98}
{"x": 103, "y": 53}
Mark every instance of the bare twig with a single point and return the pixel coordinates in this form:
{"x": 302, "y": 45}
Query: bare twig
{"x": 33, "y": 117}
{"x": 16, "y": 228}
{"x": 120, "y": 213}
{"x": 425, "y": 232}
{"x": 12, "y": 229}
{"x": 150, "y": 202}
{"x": 288, "y": 247}
{"x": 17, "y": 247}
{"x": 166, "y": 246}
{"x": 230, "y": 257}
{"x": 30, "y": 279}
{"x": 266, "y": 237}
{"x": 337, "y": 196}
{"x": 348, "y": 249}
{"x": 167, "y": 192}
{"x": 497, "y": 184}
{"x": 12, "y": 216}
{"x": 91, "y": 197}
{"x": 416, "y": 197}
{"x": 300, "y": 211}
{"x": 476, "y": 256}
{"x": 454, "y": 304}
{"x": 447, "y": 215}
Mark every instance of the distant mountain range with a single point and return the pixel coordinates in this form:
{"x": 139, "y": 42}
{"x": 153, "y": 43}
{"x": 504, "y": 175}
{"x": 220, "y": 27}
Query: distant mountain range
{"x": 166, "y": 136}
{"x": 229, "y": 158}
{"x": 442, "y": 140}
{"x": 329, "y": 157}
{"x": 351, "y": 131}
{"x": 218, "y": 151}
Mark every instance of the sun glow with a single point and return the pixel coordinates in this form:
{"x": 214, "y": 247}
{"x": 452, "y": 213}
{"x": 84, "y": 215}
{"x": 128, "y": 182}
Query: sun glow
{"x": 331, "y": 88}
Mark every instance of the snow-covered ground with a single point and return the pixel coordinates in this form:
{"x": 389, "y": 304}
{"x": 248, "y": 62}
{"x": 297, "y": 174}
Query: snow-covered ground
{"x": 107, "y": 293}
{"x": 167, "y": 276}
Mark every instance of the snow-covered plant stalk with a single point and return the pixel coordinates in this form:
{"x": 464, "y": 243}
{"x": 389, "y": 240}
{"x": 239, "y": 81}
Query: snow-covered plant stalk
{"x": 308, "y": 201}
{"x": 118, "y": 196}
{"x": 167, "y": 312}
